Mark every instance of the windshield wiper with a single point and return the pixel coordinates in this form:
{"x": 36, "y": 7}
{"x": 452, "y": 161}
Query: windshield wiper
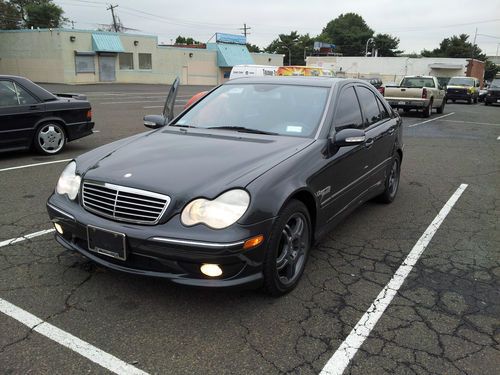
{"x": 242, "y": 129}
{"x": 183, "y": 126}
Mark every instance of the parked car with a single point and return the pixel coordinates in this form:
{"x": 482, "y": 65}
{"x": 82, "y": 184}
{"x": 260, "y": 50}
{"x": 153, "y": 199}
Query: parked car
{"x": 493, "y": 95}
{"x": 235, "y": 189}
{"x": 30, "y": 116}
{"x": 422, "y": 93}
{"x": 463, "y": 88}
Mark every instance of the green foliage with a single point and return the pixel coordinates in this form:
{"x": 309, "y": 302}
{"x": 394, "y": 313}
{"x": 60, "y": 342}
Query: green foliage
{"x": 349, "y": 32}
{"x": 387, "y": 45}
{"x": 253, "y": 48}
{"x": 17, "y": 14}
{"x": 456, "y": 46}
{"x": 183, "y": 40}
{"x": 291, "y": 45}
{"x": 490, "y": 70}
{"x": 10, "y": 18}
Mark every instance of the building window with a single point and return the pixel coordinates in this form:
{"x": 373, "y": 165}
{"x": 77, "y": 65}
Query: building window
{"x": 126, "y": 60}
{"x": 84, "y": 63}
{"x": 145, "y": 61}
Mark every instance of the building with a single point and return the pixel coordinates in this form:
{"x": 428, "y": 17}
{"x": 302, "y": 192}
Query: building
{"x": 83, "y": 56}
{"x": 393, "y": 69}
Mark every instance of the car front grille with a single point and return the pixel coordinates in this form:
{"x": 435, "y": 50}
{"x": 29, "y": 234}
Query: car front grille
{"x": 457, "y": 91}
{"x": 122, "y": 203}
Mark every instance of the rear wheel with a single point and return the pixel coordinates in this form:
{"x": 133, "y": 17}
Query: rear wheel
{"x": 49, "y": 138}
{"x": 441, "y": 107}
{"x": 427, "y": 111}
{"x": 288, "y": 250}
{"x": 392, "y": 182}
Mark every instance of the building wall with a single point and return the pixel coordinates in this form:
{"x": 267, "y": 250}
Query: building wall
{"x": 33, "y": 54}
{"x": 49, "y": 56}
{"x": 389, "y": 69}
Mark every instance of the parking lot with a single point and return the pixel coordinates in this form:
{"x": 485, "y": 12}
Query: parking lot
{"x": 444, "y": 318}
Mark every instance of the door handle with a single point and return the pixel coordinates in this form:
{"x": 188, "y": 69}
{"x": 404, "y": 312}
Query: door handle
{"x": 369, "y": 142}
{"x": 391, "y": 131}
{"x": 33, "y": 107}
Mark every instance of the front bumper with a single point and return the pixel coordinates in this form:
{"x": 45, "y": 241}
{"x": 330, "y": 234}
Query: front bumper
{"x": 459, "y": 95}
{"x": 492, "y": 99}
{"x": 165, "y": 250}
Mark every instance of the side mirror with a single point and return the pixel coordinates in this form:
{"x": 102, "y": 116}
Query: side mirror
{"x": 349, "y": 137}
{"x": 154, "y": 121}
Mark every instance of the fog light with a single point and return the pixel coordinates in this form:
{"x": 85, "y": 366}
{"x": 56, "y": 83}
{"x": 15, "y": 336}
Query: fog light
{"x": 59, "y": 228}
{"x": 212, "y": 270}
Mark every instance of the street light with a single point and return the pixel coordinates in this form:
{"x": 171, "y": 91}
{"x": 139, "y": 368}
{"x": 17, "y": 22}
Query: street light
{"x": 289, "y": 55}
{"x": 366, "y": 48}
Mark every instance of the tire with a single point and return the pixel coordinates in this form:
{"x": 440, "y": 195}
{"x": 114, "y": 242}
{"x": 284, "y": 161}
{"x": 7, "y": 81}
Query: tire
{"x": 453, "y": 100}
{"x": 391, "y": 182}
{"x": 475, "y": 100}
{"x": 469, "y": 101}
{"x": 289, "y": 246}
{"x": 441, "y": 108}
{"x": 486, "y": 103}
{"x": 49, "y": 138}
{"x": 427, "y": 111}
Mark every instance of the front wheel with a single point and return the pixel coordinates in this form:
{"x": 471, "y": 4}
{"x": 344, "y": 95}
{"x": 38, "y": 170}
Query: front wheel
{"x": 49, "y": 138}
{"x": 391, "y": 182}
{"x": 288, "y": 250}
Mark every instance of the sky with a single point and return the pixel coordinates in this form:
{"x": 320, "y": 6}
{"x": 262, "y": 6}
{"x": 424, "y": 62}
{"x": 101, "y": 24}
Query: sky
{"x": 418, "y": 24}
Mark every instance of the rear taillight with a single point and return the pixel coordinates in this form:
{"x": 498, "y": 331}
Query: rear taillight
{"x": 381, "y": 90}
{"x": 424, "y": 93}
{"x": 89, "y": 115}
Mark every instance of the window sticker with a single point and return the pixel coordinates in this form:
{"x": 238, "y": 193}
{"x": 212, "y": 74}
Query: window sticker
{"x": 294, "y": 129}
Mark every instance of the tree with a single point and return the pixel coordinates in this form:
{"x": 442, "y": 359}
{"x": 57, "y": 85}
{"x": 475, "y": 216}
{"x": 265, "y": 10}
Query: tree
{"x": 183, "y": 40}
{"x": 387, "y": 45}
{"x": 490, "y": 70}
{"x": 293, "y": 45}
{"x": 456, "y": 46}
{"x": 30, "y": 13}
{"x": 10, "y": 18}
{"x": 349, "y": 32}
{"x": 44, "y": 15}
{"x": 253, "y": 48}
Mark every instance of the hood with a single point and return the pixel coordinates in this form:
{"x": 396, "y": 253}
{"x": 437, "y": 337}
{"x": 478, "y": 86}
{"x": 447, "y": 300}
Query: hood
{"x": 186, "y": 164}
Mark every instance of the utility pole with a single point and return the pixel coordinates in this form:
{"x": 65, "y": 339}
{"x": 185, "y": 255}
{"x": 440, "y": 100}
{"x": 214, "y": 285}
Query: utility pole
{"x": 473, "y": 45}
{"x": 245, "y": 28}
{"x": 112, "y": 8}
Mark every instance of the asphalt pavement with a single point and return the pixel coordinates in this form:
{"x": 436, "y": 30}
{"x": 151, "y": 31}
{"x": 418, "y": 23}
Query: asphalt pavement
{"x": 444, "y": 318}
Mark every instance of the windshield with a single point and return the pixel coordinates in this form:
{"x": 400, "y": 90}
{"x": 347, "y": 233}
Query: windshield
{"x": 272, "y": 108}
{"x": 459, "y": 81}
{"x": 417, "y": 82}
{"x": 495, "y": 84}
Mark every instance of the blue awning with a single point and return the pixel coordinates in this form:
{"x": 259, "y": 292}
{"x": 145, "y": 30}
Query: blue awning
{"x": 106, "y": 42}
{"x": 229, "y": 55}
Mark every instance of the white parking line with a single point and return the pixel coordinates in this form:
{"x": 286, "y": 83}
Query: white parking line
{"x": 346, "y": 351}
{"x": 161, "y": 106}
{"x": 34, "y": 165}
{"x": 24, "y": 238}
{"x": 134, "y": 102}
{"x": 432, "y": 119}
{"x": 473, "y": 123}
{"x": 66, "y": 339}
{"x": 498, "y": 138}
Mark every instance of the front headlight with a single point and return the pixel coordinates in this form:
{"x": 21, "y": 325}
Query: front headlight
{"x": 219, "y": 213}
{"x": 69, "y": 181}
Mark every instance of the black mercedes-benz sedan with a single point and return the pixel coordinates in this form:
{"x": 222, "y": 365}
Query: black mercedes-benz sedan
{"x": 32, "y": 117}
{"x": 237, "y": 188}
{"x": 493, "y": 94}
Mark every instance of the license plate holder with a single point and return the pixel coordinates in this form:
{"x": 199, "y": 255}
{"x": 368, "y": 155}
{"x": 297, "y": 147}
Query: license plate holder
{"x": 107, "y": 242}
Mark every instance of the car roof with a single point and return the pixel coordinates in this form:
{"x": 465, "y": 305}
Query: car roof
{"x": 38, "y": 91}
{"x": 322, "y": 81}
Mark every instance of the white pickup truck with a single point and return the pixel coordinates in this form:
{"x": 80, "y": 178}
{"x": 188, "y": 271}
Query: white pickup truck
{"x": 422, "y": 93}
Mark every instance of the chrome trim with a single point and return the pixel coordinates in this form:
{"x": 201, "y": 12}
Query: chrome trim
{"x": 197, "y": 243}
{"x": 117, "y": 204}
{"x": 61, "y": 211}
